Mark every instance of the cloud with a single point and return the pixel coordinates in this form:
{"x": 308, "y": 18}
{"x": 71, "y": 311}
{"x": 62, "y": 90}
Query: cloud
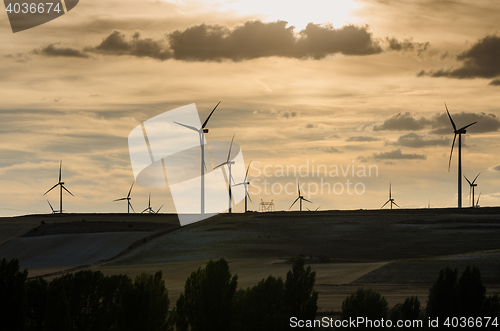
{"x": 439, "y": 123}
{"x": 407, "y": 45}
{"x": 255, "y": 39}
{"x": 53, "y": 50}
{"x": 330, "y": 149}
{"x": 287, "y": 114}
{"x": 116, "y": 44}
{"x": 397, "y": 155}
{"x": 401, "y": 122}
{"x": 479, "y": 61}
{"x": 417, "y": 141}
{"x": 362, "y": 138}
{"x": 497, "y": 168}
{"x": 495, "y": 82}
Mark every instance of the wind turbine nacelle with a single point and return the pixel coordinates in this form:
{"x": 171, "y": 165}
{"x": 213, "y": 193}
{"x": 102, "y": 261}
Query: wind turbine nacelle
{"x": 205, "y": 130}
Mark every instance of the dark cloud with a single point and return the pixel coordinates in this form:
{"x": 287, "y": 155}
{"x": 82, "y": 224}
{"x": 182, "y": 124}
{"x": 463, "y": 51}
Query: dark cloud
{"x": 479, "y": 61}
{"x": 407, "y": 45}
{"x": 53, "y": 50}
{"x": 495, "y": 82}
{"x": 497, "y": 168}
{"x": 440, "y": 123}
{"x": 117, "y": 44}
{"x": 257, "y": 39}
{"x": 398, "y": 155}
{"x": 403, "y": 122}
{"x": 362, "y": 138}
{"x": 287, "y": 114}
{"x": 330, "y": 149}
{"x": 417, "y": 141}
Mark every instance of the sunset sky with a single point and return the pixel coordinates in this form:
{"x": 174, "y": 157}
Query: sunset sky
{"x": 348, "y": 83}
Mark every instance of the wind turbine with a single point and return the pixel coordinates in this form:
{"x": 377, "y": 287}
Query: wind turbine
{"x": 477, "y": 203}
{"x": 472, "y": 186}
{"x": 246, "y": 183}
{"x": 201, "y": 131}
{"x": 53, "y": 211}
{"x": 300, "y": 197}
{"x": 128, "y": 198}
{"x": 391, "y": 200}
{"x": 149, "y": 209}
{"x": 458, "y": 132}
{"x": 229, "y": 163}
{"x": 61, "y": 185}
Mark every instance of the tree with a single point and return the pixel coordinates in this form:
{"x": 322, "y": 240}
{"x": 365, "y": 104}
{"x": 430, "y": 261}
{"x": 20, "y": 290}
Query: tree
{"x": 57, "y": 309}
{"x": 364, "y": 303}
{"x": 36, "y": 296}
{"x": 408, "y": 310}
{"x": 443, "y": 296}
{"x": 300, "y": 296}
{"x": 145, "y": 305}
{"x": 262, "y": 307}
{"x": 471, "y": 293}
{"x": 206, "y": 303}
{"x": 12, "y": 295}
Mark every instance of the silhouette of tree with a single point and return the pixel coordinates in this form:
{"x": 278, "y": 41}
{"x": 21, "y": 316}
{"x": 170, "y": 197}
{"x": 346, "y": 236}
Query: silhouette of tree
{"x": 408, "y": 310}
{"x": 12, "y": 295}
{"x": 57, "y": 308}
{"x": 443, "y": 296}
{"x": 300, "y": 296}
{"x": 36, "y": 295}
{"x": 206, "y": 304}
{"x": 364, "y": 303}
{"x": 262, "y": 307}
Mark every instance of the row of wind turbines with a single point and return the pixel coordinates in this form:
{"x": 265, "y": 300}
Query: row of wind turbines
{"x": 228, "y": 163}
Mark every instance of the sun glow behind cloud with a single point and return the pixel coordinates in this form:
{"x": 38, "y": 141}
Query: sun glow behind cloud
{"x": 296, "y": 13}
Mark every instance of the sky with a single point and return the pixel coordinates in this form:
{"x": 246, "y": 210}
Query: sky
{"x": 326, "y": 85}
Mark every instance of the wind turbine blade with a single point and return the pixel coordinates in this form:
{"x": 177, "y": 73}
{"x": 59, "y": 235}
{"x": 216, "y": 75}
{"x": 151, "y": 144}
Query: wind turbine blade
{"x": 385, "y": 204}
{"x": 477, "y": 203}
{"x": 60, "y": 170}
{"x": 220, "y": 165}
{"x": 306, "y": 200}
{"x": 149, "y": 203}
{"x": 293, "y": 203}
{"x": 187, "y": 126}
{"x": 317, "y": 208}
{"x": 50, "y": 206}
{"x": 130, "y": 204}
{"x": 452, "y": 123}
{"x": 206, "y": 121}
{"x": 159, "y": 209}
{"x": 130, "y": 191}
{"x": 144, "y": 210}
{"x": 248, "y": 195}
{"x": 230, "y": 146}
{"x": 237, "y": 184}
{"x": 308, "y": 209}
{"x": 396, "y": 204}
{"x": 66, "y": 190}
{"x": 475, "y": 178}
{"x": 451, "y": 153}
{"x": 120, "y": 199}
{"x": 465, "y": 127}
{"x": 298, "y": 187}
{"x": 468, "y": 181}
{"x": 51, "y": 188}
{"x": 390, "y": 191}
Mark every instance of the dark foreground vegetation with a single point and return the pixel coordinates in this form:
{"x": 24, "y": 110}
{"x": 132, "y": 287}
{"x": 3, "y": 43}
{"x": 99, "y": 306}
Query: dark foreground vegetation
{"x": 88, "y": 300}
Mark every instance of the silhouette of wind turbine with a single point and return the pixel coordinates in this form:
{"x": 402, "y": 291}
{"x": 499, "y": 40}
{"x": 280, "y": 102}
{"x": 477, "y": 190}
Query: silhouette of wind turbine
{"x": 128, "y": 198}
{"x": 300, "y": 197}
{"x": 149, "y": 209}
{"x": 246, "y": 183}
{"x": 201, "y": 131}
{"x": 458, "y": 132}
{"x": 229, "y": 163}
{"x": 471, "y": 190}
{"x": 391, "y": 200}
{"x": 53, "y": 211}
{"x": 61, "y": 185}
{"x": 477, "y": 203}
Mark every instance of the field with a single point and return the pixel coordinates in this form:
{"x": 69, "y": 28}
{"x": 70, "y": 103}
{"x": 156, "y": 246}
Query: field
{"x": 397, "y": 252}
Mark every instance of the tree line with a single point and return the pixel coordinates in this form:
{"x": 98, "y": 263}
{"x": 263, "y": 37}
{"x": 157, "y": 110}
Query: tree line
{"x": 89, "y": 300}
